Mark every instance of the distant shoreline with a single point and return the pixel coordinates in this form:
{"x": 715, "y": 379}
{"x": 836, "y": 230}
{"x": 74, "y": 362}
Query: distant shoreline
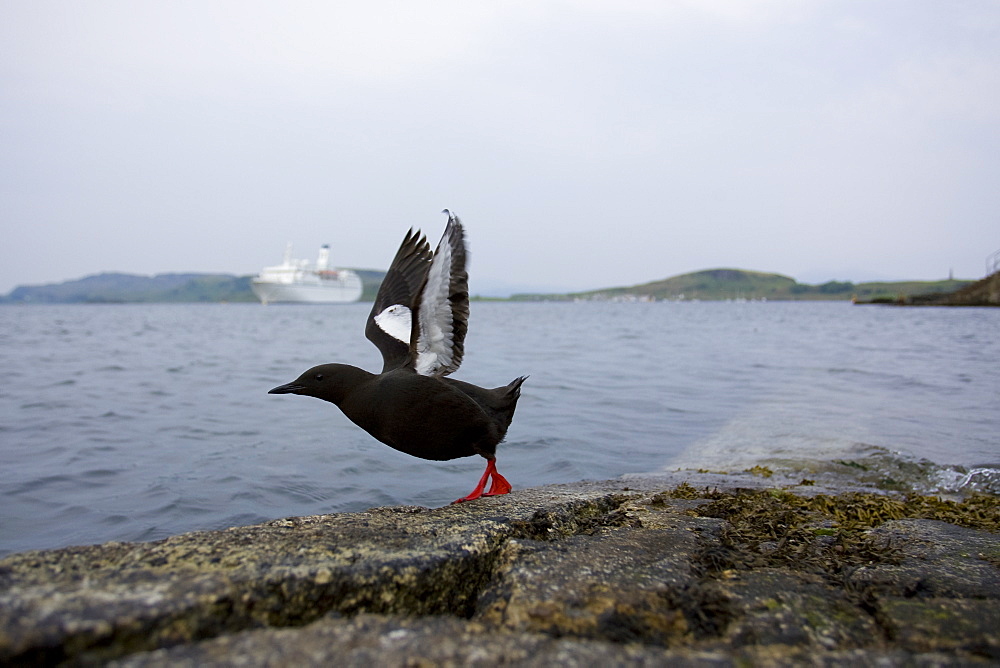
{"x": 708, "y": 285}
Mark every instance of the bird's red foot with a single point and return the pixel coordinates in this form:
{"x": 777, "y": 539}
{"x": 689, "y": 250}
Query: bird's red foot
{"x": 499, "y": 485}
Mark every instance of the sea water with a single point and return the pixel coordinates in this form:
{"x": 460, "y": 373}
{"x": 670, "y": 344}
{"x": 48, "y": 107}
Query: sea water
{"x": 134, "y": 422}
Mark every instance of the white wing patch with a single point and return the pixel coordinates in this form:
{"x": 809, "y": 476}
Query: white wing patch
{"x": 396, "y": 321}
{"x": 434, "y": 342}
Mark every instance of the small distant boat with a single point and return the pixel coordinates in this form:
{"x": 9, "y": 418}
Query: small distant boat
{"x": 299, "y": 282}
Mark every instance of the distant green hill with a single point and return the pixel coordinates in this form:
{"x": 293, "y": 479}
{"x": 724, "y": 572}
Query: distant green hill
{"x": 708, "y": 284}
{"x": 719, "y": 284}
{"x": 123, "y": 288}
{"x": 117, "y": 288}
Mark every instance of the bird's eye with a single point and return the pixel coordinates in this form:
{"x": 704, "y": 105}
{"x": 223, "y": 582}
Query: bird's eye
{"x": 319, "y": 376}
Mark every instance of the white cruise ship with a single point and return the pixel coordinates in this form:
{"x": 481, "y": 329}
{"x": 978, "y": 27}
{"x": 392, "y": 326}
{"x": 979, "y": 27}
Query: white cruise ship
{"x": 296, "y": 281}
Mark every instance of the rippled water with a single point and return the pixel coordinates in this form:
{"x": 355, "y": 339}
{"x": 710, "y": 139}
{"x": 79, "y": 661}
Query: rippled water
{"x": 133, "y": 422}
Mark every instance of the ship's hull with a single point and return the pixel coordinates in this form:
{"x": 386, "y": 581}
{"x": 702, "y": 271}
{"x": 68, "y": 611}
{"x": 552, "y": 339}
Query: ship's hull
{"x": 328, "y": 292}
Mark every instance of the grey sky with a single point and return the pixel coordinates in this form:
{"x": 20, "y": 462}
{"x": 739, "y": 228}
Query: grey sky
{"x": 585, "y": 144}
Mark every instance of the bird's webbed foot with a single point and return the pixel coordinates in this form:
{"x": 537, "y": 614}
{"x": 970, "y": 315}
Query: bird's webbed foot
{"x": 497, "y": 487}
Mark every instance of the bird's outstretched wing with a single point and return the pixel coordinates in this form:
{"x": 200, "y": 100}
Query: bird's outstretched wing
{"x": 389, "y": 323}
{"x": 437, "y": 339}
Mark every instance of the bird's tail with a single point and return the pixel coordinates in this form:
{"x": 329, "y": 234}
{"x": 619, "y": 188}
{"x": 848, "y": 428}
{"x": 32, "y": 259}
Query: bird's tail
{"x": 514, "y": 387}
{"x": 508, "y": 404}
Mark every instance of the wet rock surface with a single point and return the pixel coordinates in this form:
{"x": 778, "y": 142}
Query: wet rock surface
{"x": 685, "y": 569}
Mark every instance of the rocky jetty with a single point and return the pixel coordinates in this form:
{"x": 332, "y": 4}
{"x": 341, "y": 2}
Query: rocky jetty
{"x": 682, "y": 569}
{"x": 984, "y": 292}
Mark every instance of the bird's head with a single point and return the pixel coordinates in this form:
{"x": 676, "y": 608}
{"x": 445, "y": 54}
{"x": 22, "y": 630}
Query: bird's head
{"x": 330, "y": 382}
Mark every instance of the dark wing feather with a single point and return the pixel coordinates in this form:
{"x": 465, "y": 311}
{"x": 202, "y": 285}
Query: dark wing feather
{"x": 437, "y": 341}
{"x": 399, "y": 287}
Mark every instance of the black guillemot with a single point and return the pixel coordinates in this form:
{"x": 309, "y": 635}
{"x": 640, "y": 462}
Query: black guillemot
{"x": 418, "y": 322}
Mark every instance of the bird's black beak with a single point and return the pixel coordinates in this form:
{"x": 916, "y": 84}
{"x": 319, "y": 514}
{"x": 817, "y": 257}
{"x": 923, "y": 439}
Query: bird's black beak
{"x": 289, "y": 388}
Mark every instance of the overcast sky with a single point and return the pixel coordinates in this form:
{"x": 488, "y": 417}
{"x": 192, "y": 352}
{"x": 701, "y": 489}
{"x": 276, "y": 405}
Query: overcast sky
{"x": 585, "y": 144}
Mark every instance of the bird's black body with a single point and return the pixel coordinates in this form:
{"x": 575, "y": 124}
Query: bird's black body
{"x": 411, "y": 406}
{"x": 423, "y": 416}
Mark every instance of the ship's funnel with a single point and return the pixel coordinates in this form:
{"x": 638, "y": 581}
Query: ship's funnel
{"x": 323, "y": 261}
